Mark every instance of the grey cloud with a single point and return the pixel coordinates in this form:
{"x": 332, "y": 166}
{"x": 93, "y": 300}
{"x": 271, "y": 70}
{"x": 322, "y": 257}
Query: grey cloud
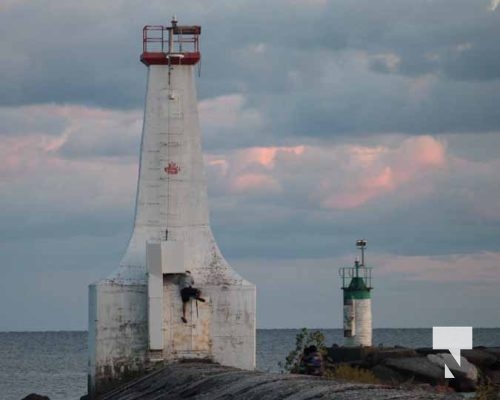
{"x": 480, "y": 62}
{"x": 435, "y": 227}
{"x": 469, "y": 147}
{"x": 127, "y": 146}
{"x": 454, "y": 38}
{"x": 459, "y": 107}
{"x": 53, "y": 224}
{"x": 75, "y": 55}
{"x": 425, "y": 36}
{"x": 26, "y": 120}
{"x": 70, "y": 53}
{"x": 117, "y": 141}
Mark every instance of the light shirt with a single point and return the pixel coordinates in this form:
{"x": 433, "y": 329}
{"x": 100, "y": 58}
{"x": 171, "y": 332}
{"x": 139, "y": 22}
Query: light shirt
{"x": 186, "y": 281}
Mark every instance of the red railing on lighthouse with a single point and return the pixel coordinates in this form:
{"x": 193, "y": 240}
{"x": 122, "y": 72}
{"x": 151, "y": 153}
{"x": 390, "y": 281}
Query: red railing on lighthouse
{"x": 171, "y": 45}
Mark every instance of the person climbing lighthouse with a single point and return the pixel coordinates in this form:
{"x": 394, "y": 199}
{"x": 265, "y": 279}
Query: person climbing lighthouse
{"x": 187, "y": 292}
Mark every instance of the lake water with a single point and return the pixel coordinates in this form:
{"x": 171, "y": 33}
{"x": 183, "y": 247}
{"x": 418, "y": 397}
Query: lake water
{"x": 54, "y": 364}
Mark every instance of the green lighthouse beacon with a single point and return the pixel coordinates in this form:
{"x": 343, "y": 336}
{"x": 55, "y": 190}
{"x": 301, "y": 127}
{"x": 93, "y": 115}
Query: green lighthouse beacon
{"x": 356, "y": 285}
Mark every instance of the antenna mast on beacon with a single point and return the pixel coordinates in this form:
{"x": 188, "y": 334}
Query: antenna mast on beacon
{"x": 135, "y": 314}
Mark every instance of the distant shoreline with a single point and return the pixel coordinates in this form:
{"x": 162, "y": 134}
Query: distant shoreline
{"x": 259, "y": 329}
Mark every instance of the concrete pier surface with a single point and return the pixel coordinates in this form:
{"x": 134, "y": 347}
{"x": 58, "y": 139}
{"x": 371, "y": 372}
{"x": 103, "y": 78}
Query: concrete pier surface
{"x": 198, "y": 380}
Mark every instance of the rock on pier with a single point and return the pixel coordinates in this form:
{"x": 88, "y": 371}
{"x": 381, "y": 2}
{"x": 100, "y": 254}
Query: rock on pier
{"x": 197, "y": 380}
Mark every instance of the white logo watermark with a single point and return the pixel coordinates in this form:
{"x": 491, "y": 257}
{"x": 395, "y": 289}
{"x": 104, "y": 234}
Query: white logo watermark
{"x": 454, "y": 339}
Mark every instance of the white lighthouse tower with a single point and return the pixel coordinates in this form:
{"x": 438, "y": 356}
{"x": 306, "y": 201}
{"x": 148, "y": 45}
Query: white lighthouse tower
{"x": 357, "y": 286}
{"x": 135, "y": 314}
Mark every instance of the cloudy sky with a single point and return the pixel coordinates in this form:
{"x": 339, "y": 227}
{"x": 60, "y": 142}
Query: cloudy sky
{"x": 323, "y": 122}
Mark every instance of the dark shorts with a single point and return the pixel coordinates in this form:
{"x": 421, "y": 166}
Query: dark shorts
{"x": 189, "y": 292}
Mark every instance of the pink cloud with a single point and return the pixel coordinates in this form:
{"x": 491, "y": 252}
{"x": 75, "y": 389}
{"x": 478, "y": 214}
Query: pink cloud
{"x": 417, "y": 154}
{"x": 330, "y": 176}
{"x": 385, "y": 180}
{"x": 266, "y": 156}
{"x": 375, "y": 172}
{"x": 251, "y": 170}
{"x": 336, "y": 177}
{"x": 23, "y": 155}
{"x": 32, "y": 170}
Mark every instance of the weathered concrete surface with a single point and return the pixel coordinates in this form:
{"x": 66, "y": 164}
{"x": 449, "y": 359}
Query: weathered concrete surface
{"x": 212, "y": 381}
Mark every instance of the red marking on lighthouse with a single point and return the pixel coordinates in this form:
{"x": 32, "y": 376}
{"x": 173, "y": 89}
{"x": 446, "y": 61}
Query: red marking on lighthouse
{"x": 172, "y": 168}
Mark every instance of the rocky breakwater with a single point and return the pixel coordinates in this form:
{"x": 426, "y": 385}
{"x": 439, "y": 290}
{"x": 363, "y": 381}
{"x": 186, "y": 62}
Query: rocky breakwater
{"x": 196, "y": 380}
{"x": 400, "y": 365}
